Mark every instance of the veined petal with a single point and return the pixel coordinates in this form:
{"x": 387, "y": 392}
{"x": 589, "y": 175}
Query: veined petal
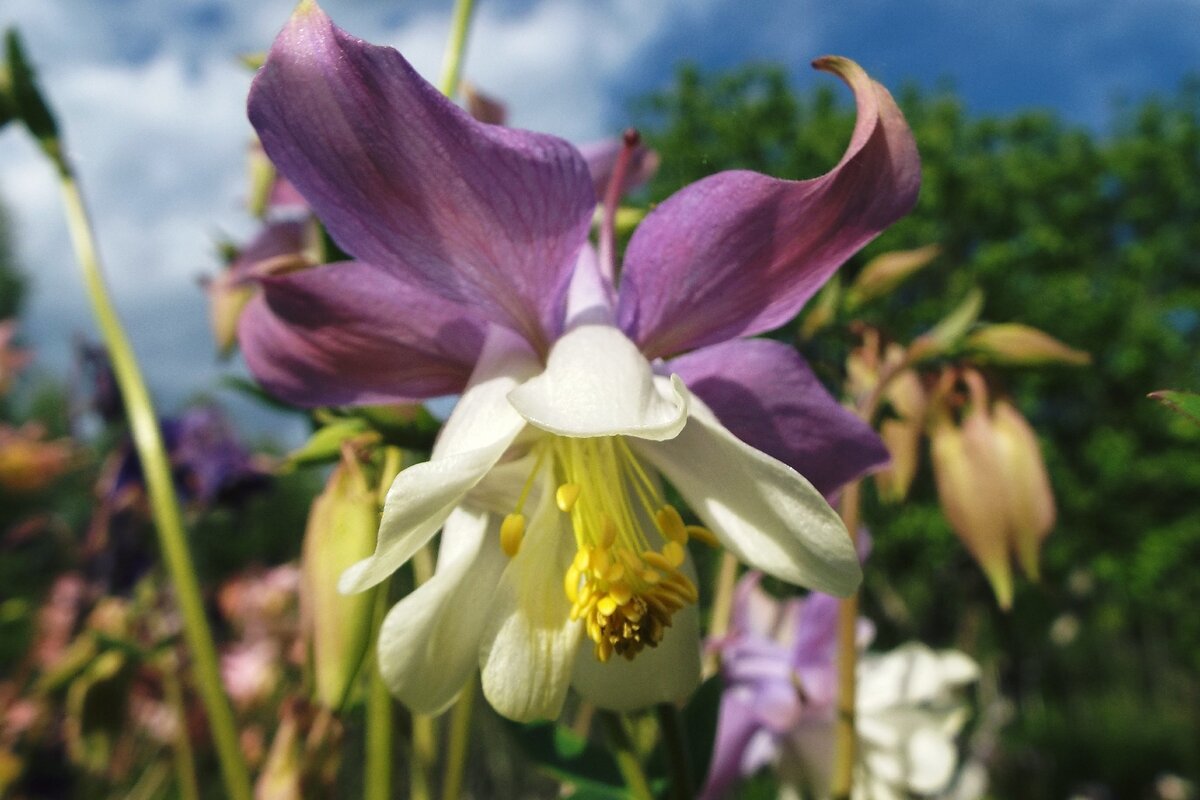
{"x": 590, "y": 298}
{"x": 662, "y": 674}
{"x": 739, "y": 253}
{"x": 596, "y": 383}
{"x": 762, "y": 510}
{"x": 429, "y": 642}
{"x": 351, "y": 333}
{"x": 479, "y": 430}
{"x": 487, "y": 216}
{"x": 764, "y": 393}
{"x": 529, "y": 641}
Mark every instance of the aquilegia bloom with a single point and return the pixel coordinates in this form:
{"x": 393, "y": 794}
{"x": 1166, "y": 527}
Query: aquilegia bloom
{"x": 779, "y": 662}
{"x": 578, "y": 391}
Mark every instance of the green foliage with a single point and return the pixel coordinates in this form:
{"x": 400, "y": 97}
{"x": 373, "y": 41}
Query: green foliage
{"x": 1093, "y": 239}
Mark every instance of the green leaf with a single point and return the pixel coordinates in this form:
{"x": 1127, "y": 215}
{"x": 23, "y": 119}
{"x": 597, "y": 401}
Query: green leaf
{"x": 325, "y": 445}
{"x": 571, "y": 758}
{"x": 1185, "y": 403}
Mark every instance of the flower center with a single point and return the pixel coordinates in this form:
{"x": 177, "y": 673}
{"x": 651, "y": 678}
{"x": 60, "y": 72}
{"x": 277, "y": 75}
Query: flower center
{"x": 624, "y": 589}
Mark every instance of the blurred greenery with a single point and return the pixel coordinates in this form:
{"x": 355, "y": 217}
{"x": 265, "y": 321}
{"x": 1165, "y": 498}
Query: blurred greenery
{"x": 1095, "y": 239}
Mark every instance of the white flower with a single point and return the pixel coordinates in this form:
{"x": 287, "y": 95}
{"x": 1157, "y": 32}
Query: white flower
{"x": 556, "y": 528}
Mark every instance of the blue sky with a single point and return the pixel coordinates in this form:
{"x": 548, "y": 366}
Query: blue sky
{"x": 153, "y": 104}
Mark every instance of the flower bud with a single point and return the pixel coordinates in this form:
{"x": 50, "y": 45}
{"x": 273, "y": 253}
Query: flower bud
{"x": 968, "y": 477}
{"x": 993, "y": 485}
{"x": 29, "y": 464}
{"x": 948, "y": 334}
{"x": 341, "y": 531}
{"x": 886, "y": 271}
{"x": 1022, "y": 345}
{"x": 1027, "y": 485}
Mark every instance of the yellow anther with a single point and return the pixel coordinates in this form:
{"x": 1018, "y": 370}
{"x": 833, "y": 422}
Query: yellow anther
{"x": 671, "y": 524}
{"x": 566, "y": 496}
{"x": 621, "y": 593}
{"x": 600, "y": 562}
{"x": 674, "y": 553}
{"x": 615, "y": 572}
{"x": 582, "y": 558}
{"x": 658, "y": 561}
{"x": 609, "y": 533}
{"x": 703, "y": 534}
{"x": 512, "y": 531}
{"x": 606, "y": 605}
{"x": 651, "y": 576}
{"x": 571, "y": 583}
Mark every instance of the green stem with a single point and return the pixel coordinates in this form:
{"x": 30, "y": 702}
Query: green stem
{"x": 424, "y": 729}
{"x": 845, "y": 738}
{"x": 675, "y": 744}
{"x": 164, "y": 504}
{"x": 460, "y": 737}
{"x": 378, "y": 766}
{"x": 627, "y": 760}
{"x": 455, "y": 47}
{"x": 185, "y": 761}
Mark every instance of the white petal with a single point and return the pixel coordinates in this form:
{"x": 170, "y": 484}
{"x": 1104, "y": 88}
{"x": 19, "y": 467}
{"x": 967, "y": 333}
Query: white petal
{"x": 590, "y": 296}
{"x": 910, "y": 675}
{"x": 429, "y": 642}
{"x": 480, "y": 429}
{"x": 529, "y": 641}
{"x": 763, "y": 511}
{"x": 660, "y": 674}
{"x": 597, "y": 383}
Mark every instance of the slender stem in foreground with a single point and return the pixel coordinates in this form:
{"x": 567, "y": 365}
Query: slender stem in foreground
{"x": 455, "y": 47}
{"x": 460, "y": 737}
{"x": 722, "y": 607}
{"x": 844, "y": 731}
{"x": 675, "y": 744}
{"x": 185, "y": 761}
{"x": 627, "y": 760}
{"x": 164, "y": 504}
{"x": 378, "y": 767}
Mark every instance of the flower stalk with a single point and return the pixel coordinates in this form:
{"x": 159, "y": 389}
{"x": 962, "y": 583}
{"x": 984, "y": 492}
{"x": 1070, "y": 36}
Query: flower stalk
{"x": 456, "y": 47}
{"x": 164, "y": 504}
{"x": 378, "y": 765}
{"x": 460, "y": 737}
{"x": 847, "y": 665}
{"x": 626, "y": 757}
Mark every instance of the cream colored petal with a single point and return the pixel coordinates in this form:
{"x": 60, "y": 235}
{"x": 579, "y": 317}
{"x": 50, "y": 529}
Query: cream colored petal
{"x": 762, "y": 510}
{"x": 480, "y": 429}
{"x": 597, "y": 383}
{"x": 429, "y": 642}
{"x": 529, "y": 643}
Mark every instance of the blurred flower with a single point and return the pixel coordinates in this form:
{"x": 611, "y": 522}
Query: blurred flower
{"x": 12, "y": 359}
{"x": 992, "y": 482}
{"x": 95, "y": 388}
{"x": 29, "y": 463}
{"x": 261, "y": 607}
{"x": 779, "y": 708}
{"x": 475, "y": 277}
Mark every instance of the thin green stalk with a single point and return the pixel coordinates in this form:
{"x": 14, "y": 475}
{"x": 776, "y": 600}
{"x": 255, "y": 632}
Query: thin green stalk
{"x": 845, "y": 738}
{"x": 675, "y": 744}
{"x": 185, "y": 761}
{"x": 627, "y": 759}
{"x": 460, "y": 737}
{"x": 164, "y": 504}
{"x": 455, "y": 47}
{"x": 424, "y": 728}
{"x": 378, "y": 762}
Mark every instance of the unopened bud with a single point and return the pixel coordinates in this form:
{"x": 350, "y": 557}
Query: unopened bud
{"x": 1017, "y": 344}
{"x": 341, "y": 532}
{"x": 885, "y": 272}
{"x": 1031, "y": 509}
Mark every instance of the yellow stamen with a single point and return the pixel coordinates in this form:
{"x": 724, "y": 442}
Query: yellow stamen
{"x": 566, "y": 496}
{"x": 512, "y": 531}
{"x": 671, "y": 524}
{"x": 703, "y": 534}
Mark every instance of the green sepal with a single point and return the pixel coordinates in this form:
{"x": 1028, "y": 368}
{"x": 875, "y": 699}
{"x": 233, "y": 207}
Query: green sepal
{"x": 25, "y": 99}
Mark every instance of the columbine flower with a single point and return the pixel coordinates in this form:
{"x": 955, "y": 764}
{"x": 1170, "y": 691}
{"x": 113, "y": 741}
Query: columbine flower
{"x": 579, "y": 393}
{"x": 779, "y": 662}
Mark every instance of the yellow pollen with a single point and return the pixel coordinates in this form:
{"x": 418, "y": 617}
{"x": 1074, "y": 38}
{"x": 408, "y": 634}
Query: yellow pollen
{"x": 671, "y": 524}
{"x": 512, "y": 531}
{"x": 566, "y": 496}
{"x": 703, "y": 535}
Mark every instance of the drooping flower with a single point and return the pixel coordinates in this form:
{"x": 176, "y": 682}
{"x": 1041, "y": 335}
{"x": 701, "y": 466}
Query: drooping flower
{"x": 779, "y": 707}
{"x": 579, "y": 392}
